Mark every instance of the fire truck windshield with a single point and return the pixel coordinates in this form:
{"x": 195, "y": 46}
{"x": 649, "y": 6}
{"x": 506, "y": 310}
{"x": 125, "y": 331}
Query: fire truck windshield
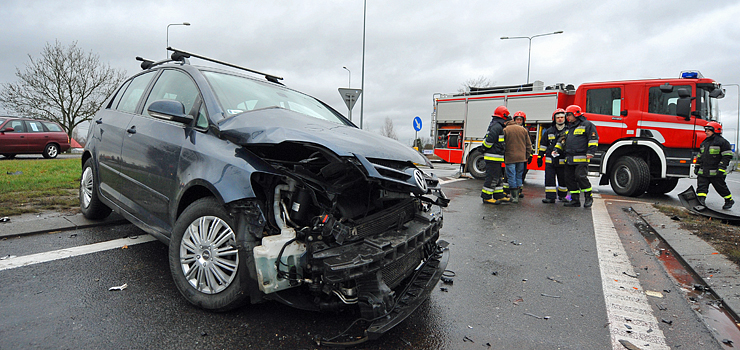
{"x": 708, "y": 106}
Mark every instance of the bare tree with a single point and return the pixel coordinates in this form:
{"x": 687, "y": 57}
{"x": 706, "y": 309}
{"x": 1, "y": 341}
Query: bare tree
{"x": 387, "y": 129}
{"x": 479, "y": 82}
{"x": 64, "y": 85}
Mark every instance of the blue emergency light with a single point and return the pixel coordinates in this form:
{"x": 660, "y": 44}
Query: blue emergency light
{"x": 691, "y": 74}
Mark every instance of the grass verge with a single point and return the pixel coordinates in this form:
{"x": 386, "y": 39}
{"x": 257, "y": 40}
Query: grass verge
{"x": 36, "y": 185}
{"x": 723, "y": 237}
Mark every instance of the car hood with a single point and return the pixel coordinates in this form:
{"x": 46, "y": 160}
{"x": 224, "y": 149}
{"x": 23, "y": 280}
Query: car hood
{"x": 277, "y": 125}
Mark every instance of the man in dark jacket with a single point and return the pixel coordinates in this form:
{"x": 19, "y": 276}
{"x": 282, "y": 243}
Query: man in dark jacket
{"x": 494, "y": 146}
{"x": 579, "y": 145}
{"x": 554, "y": 166}
{"x": 518, "y": 151}
{"x": 714, "y": 156}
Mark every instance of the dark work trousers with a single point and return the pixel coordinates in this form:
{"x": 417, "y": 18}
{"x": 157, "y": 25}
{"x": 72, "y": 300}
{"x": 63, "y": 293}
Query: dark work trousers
{"x": 702, "y": 185}
{"x": 551, "y": 173}
{"x": 577, "y": 179}
{"x": 493, "y": 187}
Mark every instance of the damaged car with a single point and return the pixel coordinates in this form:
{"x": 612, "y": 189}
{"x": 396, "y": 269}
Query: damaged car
{"x": 263, "y": 193}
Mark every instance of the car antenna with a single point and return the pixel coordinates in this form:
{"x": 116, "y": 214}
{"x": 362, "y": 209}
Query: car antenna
{"x": 180, "y": 53}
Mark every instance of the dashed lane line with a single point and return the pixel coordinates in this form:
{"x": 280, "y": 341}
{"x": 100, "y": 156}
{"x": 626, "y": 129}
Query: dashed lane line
{"x": 26, "y": 260}
{"x": 626, "y": 302}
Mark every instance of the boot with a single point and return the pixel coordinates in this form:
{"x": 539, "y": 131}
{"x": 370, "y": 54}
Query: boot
{"x": 515, "y": 195}
{"x": 491, "y": 201}
{"x": 548, "y": 200}
{"x": 702, "y": 200}
{"x": 574, "y": 201}
{"x": 504, "y": 200}
{"x": 728, "y": 203}
{"x": 589, "y": 201}
{"x": 521, "y": 194}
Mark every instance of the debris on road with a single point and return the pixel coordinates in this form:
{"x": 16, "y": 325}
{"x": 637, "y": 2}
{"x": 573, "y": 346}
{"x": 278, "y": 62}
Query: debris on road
{"x": 628, "y": 345}
{"x": 727, "y": 341}
{"x": 15, "y": 173}
{"x": 633, "y": 276}
{"x": 516, "y": 243}
{"x": 495, "y": 273}
{"x": 446, "y": 280}
{"x": 443, "y": 289}
{"x": 654, "y": 294}
{"x": 5, "y": 219}
{"x": 549, "y": 296}
{"x": 517, "y": 301}
{"x": 7, "y": 257}
{"x": 466, "y": 339}
{"x": 554, "y": 280}
{"x": 666, "y": 321}
{"x": 121, "y": 287}
{"x": 675, "y": 217}
{"x": 533, "y": 315}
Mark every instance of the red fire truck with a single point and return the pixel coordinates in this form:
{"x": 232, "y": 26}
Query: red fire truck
{"x": 649, "y": 130}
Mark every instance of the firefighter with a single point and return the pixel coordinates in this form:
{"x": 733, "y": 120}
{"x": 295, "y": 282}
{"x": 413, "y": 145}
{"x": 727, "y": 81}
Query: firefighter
{"x": 518, "y": 151}
{"x": 578, "y": 145}
{"x": 494, "y": 146}
{"x": 554, "y": 166}
{"x": 714, "y": 156}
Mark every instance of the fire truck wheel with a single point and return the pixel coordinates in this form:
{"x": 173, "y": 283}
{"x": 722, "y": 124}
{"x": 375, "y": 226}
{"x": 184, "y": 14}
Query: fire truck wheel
{"x": 662, "y": 186}
{"x": 477, "y": 165}
{"x": 630, "y": 176}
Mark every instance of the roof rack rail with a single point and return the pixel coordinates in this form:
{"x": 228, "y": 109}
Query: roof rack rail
{"x": 147, "y": 63}
{"x": 180, "y": 54}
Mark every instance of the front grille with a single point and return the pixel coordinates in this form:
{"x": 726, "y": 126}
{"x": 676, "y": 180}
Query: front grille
{"x": 394, "y": 217}
{"x": 395, "y": 272}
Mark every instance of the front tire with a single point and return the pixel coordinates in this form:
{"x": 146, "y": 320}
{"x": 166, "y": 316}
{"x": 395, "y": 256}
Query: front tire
{"x": 204, "y": 257}
{"x": 630, "y": 176}
{"x": 477, "y": 165}
{"x": 90, "y": 205}
{"x": 51, "y": 151}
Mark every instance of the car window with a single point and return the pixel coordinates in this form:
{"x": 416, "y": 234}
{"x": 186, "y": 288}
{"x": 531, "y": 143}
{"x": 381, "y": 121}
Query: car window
{"x": 17, "y": 125}
{"x": 238, "y": 94}
{"x": 52, "y": 127}
{"x": 174, "y": 85}
{"x": 605, "y": 101}
{"x": 34, "y": 126}
{"x": 2, "y": 120}
{"x": 202, "y": 121}
{"x": 132, "y": 95}
{"x": 114, "y": 102}
{"x": 664, "y": 102}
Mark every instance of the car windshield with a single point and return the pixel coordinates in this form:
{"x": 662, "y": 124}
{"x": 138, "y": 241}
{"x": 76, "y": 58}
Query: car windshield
{"x": 2, "y": 120}
{"x": 239, "y": 94}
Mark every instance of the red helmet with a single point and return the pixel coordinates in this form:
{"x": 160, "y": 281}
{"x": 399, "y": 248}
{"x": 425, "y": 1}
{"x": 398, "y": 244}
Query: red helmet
{"x": 501, "y": 112}
{"x": 575, "y": 109}
{"x": 714, "y": 127}
{"x": 520, "y": 114}
{"x": 558, "y": 111}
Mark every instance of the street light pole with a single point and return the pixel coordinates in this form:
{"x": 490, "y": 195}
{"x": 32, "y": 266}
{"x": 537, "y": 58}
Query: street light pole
{"x": 529, "y": 56}
{"x": 168, "y": 35}
{"x": 349, "y": 80}
{"x": 362, "y": 87}
{"x": 737, "y": 132}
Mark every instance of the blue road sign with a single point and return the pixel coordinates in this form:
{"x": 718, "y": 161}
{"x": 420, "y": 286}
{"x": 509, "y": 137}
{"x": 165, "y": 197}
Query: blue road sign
{"x": 417, "y": 123}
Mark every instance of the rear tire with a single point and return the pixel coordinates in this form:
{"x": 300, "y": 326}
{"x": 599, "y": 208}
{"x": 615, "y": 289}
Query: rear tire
{"x": 90, "y": 205}
{"x": 477, "y": 165}
{"x": 51, "y": 151}
{"x": 662, "y": 186}
{"x": 630, "y": 176}
{"x": 204, "y": 258}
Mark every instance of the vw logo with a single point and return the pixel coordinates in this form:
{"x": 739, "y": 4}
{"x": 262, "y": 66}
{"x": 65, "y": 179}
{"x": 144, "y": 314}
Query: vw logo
{"x": 419, "y": 176}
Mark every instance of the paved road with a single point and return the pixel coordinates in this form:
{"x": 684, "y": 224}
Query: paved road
{"x": 514, "y": 265}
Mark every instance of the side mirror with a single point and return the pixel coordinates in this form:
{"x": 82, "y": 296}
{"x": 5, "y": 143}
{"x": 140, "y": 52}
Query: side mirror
{"x": 170, "y": 110}
{"x": 8, "y": 129}
{"x": 717, "y": 93}
{"x": 666, "y": 88}
{"x": 683, "y": 93}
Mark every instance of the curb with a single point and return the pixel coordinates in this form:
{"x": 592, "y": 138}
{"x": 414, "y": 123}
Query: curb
{"x": 27, "y": 224}
{"x": 715, "y": 270}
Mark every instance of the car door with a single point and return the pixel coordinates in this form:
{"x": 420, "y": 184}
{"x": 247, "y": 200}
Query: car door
{"x": 151, "y": 152}
{"x": 14, "y": 142}
{"x": 36, "y": 138}
{"x": 109, "y": 128}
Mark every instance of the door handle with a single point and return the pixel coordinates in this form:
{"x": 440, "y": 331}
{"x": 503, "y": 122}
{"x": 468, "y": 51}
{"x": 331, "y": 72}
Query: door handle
{"x": 131, "y": 130}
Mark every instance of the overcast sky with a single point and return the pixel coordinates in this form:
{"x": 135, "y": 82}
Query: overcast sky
{"x": 413, "y": 48}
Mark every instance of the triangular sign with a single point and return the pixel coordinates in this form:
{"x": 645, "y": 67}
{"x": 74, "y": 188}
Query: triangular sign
{"x": 350, "y": 96}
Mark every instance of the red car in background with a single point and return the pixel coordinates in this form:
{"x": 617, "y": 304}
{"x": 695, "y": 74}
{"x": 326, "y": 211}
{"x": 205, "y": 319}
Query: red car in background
{"x": 31, "y": 136}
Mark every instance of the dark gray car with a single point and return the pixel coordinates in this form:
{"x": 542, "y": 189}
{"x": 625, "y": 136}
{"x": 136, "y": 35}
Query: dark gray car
{"x": 265, "y": 193}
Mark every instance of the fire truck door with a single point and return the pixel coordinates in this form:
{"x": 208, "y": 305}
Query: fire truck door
{"x": 604, "y": 106}
{"x": 661, "y": 123}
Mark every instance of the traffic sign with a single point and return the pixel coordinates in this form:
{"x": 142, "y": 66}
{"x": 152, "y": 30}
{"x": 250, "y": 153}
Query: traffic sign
{"x": 350, "y": 96}
{"x": 417, "y": 123}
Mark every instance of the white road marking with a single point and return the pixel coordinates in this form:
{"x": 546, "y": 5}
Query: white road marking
{"x": 624, "y": 296}
{"x": 32, "y": 259}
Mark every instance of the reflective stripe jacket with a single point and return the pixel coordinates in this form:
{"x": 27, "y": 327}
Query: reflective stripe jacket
{"x": 714, "y": 156}
{"x": 580, "y": 139}
{"x": 547, "y": 145}
{"x": 494, "y": 141}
